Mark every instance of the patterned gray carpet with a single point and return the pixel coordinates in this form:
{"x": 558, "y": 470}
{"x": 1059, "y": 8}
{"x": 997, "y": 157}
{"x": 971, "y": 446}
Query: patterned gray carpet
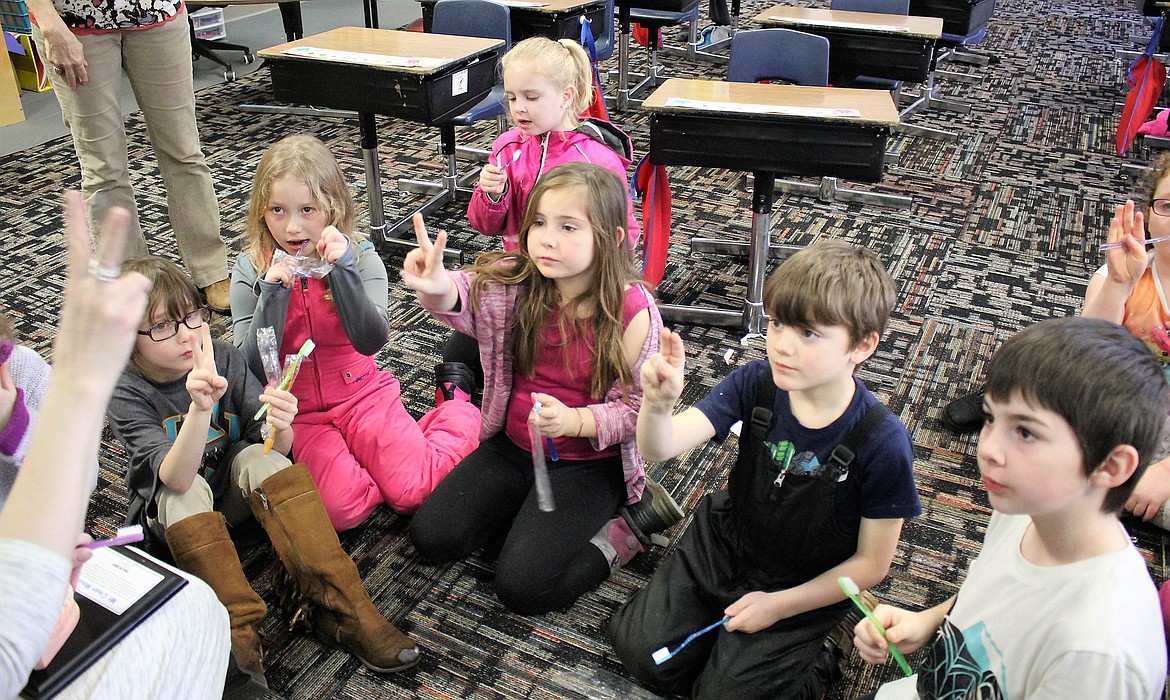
{"x": 997, "y": 238}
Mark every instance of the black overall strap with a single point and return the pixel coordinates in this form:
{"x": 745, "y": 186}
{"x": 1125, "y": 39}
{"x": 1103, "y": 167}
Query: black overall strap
{"x": 761, "y": 419}
{"x": 843, "y": 454}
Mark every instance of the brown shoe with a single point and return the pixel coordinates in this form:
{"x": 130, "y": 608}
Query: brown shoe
{"x": 218, "y": 297}
{"x": 325, "y": 579}
{"x": 201, "y": 546}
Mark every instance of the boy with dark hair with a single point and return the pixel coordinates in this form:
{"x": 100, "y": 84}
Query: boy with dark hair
{"x": 185, "y": 409}
{"x": 822, "y": 485}
{"x": 1059, "y": 603}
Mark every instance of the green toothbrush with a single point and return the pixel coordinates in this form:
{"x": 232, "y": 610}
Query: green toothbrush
{"x": 850, "y": 589}
{"x": 290, "y": 372}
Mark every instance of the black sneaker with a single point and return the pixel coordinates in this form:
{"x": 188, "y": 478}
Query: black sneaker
{"x": 453, "y": 380}
{"x": 964, "y": 414}
{"x": 656, "y": 512}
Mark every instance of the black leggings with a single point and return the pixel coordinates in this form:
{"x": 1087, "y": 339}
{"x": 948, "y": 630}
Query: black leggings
{"x": 547, "y": 561}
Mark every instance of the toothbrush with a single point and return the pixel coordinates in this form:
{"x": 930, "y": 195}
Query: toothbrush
{"x": 850, "y": 589}
{"x": 544, "y": 494}
{"x": 663, "y": 655}
{"x": 125, "y": 535}
{"x": 1121, "y": 244}
{"x": 552, "y": 449}
{"x": 290, "y": 372}
{"x": 515, "y": 157}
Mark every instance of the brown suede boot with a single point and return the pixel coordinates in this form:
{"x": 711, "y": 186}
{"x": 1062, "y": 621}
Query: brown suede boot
{"x": 337, "y": 606}
{"x": 201, "y": 545}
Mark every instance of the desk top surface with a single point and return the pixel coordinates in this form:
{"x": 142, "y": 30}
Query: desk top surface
{"x": 361, "y": 46}
{"x": 545, "y": 6}
{"x": 909, "y": 25}
{"x": 770, "y": 102}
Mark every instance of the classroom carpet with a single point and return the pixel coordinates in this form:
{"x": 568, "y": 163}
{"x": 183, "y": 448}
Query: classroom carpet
{"x": 1001, "y": 233}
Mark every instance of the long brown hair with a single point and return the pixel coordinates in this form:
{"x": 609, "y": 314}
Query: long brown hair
{"x": 613, "y": 270}
{"x": 308, "y": 160}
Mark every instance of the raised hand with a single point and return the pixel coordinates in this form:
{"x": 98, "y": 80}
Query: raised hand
{"x": 102, "y": 307}
{"x": 280, "y": 273}
{"x": 332, "y": 245}
{"x": 662, "y": 372}
{"x": 204, "y": 383}
{"x": 423, "y": 270}
{"x": 1127, "y": 264}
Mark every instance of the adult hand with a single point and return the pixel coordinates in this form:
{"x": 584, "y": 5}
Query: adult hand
{"x": 1151, "y": 492}
{"x": 102, "y": 308}
{"x": 423, "y": 270}
{"x": 1128, "y": 227}
{"x": 332, "y": 245}
{"x": 204, "y": 383}
{"x": 65, "y": 54}
{"x": 906, "y": 630}
{"x": 662, "y": 372}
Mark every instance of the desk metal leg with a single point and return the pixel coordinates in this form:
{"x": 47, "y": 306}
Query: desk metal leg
{"x": 827, "y": 190}
{"x": 751, "y": 318}
{"x": 622, "y": 101}
{"x": 368, "y": 129}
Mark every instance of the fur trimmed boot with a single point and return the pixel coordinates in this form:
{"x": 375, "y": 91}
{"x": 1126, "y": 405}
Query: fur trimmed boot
{"x": 202, "y": 546}
{"x": 325, "y": 580}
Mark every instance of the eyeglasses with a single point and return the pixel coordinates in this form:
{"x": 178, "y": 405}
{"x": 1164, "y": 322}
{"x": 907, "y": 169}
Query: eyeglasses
{"x": 1161, "y": 207}
{"x": 164, "y": 330}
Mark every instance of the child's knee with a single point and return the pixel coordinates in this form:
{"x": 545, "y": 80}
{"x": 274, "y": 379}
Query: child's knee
{"x": 174, "y": 506}
{"x": 250, "y": 467}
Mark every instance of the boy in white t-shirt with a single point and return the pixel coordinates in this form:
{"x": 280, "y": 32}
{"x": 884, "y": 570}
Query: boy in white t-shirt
{"x": 1059, "y": 603}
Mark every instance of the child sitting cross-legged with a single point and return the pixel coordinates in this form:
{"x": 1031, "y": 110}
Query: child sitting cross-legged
{"x": 1059, "y": 603}
{"x": 766, "y": 553}
{"x": 185, "y": 409}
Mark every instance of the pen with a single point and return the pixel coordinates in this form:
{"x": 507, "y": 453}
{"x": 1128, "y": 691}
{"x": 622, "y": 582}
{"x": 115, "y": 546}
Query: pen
{"x": 1121, "y": 244}
{"x": 125, "y": 535}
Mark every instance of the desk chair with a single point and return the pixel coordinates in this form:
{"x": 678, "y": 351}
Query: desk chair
{"x": 205, "y": 48}
{"x": 603, "y": 43}
{"x": 477, "y": 18}
{"x": 789, "y": 56}
{"x": 653, "y": 21}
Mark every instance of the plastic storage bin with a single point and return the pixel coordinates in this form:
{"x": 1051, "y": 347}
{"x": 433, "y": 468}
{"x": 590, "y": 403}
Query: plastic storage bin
{"x": 14, "y": 17}
{"x": 208, "y": 23}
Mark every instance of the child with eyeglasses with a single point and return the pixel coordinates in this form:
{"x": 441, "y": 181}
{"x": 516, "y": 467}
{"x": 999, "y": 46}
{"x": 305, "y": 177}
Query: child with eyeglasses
{"x": 1130, "y": 289}
{"x": 185, "y": 408}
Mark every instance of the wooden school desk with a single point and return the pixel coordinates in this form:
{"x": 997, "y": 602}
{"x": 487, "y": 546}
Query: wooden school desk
{"x": 555, "y": 19}
{"x": 767, "y": 130}
{"x": 425, "y": 78}
{"x": 894, "y": 47}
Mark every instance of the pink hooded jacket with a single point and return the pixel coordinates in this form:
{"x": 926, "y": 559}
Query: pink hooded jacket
{"x": 529, "y": 157}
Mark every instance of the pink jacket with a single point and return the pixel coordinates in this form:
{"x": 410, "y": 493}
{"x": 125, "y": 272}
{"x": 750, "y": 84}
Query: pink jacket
{"x": 594, "y": 141}
{"x": 616, "y": 417}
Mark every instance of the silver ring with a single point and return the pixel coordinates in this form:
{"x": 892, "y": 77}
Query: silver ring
{"x": 59, "y": 69}
{"x": 102, "y": 273}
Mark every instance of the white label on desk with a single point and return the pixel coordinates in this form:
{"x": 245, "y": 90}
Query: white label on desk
{"x": 522, "y": 3}
{"x": 115, "y": 581}
{"x": 373, "y": 59}
{"x": 459, "y": 83}
{"x": 842, "y": 25}
{"x": 761, "y": 109}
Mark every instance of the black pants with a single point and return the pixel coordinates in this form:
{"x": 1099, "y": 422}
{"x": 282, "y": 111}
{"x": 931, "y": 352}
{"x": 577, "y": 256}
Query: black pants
{"x": 547, "y": 561}
{"x": 689, "y": 591}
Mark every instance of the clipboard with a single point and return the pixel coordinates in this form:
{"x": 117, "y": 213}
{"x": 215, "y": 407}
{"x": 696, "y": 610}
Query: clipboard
{"x": 100, "y": 627}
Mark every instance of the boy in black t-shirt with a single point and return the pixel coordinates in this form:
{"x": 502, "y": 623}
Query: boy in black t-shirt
{"x": 766, "y": 553}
